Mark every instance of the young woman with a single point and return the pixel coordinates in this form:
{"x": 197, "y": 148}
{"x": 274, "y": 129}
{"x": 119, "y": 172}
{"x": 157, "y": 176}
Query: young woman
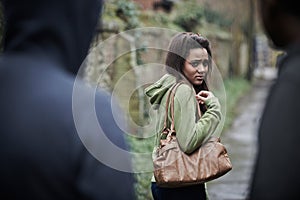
{"x": 188, "y": 61}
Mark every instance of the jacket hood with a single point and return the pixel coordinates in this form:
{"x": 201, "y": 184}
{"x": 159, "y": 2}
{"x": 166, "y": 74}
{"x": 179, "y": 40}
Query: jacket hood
{"x": 59, "y": 30}
{"x": 157, "y": 90}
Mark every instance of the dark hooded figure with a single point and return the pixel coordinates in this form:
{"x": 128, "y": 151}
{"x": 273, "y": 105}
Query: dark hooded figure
{"x": 42, "y": 156}
{"x": 276, "y": 174}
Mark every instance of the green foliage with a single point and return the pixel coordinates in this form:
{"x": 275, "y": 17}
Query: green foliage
{"x": 151, "y": 18}
{"x": 128, "y": 11}
{"x": 121, "y": 15}
{"x": 190, "y": 15}
{"x": 143, "y": 180}
{"x": 143, "y": 185}
{"x": 161, "y": 18}
{"x": 235, "y": 88}
{"x": 214, "y": 17}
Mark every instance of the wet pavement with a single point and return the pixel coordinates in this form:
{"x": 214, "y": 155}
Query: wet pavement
{"x": 240, "y": 141}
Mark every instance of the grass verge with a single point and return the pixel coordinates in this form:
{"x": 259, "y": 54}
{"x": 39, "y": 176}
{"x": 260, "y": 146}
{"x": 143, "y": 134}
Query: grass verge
{"x": 235, "y": 88}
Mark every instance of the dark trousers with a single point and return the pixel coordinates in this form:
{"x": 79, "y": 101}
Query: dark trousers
{"x": 196, "y": 192}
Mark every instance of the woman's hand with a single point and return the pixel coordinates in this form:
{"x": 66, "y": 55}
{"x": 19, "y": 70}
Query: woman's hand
{"x": 204, "y": 96}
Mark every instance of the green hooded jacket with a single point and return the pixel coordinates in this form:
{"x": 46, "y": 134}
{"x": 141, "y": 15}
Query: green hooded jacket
{"x": 190, "y": 130}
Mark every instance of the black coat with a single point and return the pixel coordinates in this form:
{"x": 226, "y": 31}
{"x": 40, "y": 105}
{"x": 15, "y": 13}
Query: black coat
{"x": 42, "y": 156}
{"x": 277, "y": 169}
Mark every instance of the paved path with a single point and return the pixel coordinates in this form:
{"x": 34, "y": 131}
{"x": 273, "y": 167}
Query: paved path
{"x": 240, "y": 141}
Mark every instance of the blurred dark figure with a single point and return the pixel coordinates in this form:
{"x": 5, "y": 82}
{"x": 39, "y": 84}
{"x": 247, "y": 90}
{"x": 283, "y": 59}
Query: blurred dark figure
{"x": 41, "y": 154}
{"x": 276, "y": 175}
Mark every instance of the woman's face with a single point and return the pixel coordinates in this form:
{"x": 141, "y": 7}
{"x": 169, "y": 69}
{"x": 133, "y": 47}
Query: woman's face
{"x": 196, "y": 66}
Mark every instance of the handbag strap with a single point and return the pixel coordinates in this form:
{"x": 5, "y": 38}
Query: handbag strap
{"x": 167, "y": 107}
{"x": 172, "y": 107}
{"x": 171, "y": 96}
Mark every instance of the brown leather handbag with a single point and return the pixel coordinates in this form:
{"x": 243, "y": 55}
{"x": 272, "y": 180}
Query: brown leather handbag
{"x": 174, "y": 168}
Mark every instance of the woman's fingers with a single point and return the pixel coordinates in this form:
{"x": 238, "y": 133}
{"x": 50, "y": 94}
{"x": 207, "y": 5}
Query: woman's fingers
{"x": 203, "y": 96}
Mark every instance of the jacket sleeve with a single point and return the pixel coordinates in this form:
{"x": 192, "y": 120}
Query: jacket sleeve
{"x": 191, "y": 133}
